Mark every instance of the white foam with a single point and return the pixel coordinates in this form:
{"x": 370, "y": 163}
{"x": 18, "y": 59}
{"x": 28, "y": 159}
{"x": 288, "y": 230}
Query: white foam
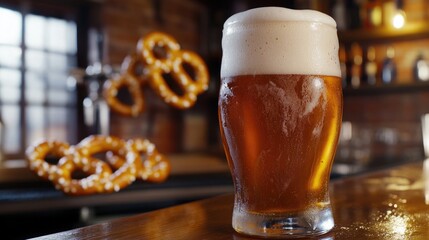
{"x": 273, "y": 40}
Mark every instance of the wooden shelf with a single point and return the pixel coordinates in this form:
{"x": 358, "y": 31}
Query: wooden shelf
{"x": 386, "y": 89}
{"x": 409, "y": 32}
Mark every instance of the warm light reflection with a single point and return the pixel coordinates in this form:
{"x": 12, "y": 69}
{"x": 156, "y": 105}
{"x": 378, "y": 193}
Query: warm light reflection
{"x": 426, "y": 179}
{"x": 425, "y": 133}
{"x": 398, "y": 225}
{"x": 346, "y": 132}
{"x": 195, "y": 215}
{"x": 423, "y": 70}
{"x": 376, "y": 16}
{"x": 399, "y": 19}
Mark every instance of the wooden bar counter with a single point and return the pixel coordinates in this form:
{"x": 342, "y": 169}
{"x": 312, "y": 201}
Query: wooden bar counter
{"x": 388, "y": 204}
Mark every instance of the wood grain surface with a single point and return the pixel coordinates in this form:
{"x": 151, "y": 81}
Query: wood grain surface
{"x": 388, "y": 204}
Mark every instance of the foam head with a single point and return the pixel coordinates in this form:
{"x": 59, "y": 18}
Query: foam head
{"x": 273, "y": 40}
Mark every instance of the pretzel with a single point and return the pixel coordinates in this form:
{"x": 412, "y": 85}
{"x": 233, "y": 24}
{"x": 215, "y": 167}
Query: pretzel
{"x": 112, "y": 90}
{"x": 173, "y": 64}
{"x": 37, "y": 154}
{"x": 101, "y": 178}
{"x": 157, "y": 39}
{"x": 155, "y": 166}
{"x": 133, "y": 65}
{"x": 125, "y": 174}
{"x": 97, "y": 171}
{"x": 153, "y": 70}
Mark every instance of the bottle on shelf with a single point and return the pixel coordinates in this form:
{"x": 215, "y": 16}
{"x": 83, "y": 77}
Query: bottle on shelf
{"x": 388, "y": 72}
{"x": 371, "y": 66}
{"x": 421, "y": 68}
{"x": 343, "y": 65}
{"x": 353, "y": 14}
{"x": 372, "y": 14}
{"x": 339, "y": 13}
{"x": 356, "y": 68}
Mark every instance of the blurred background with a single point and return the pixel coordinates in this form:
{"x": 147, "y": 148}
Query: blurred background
{"x": 56, "y": 55}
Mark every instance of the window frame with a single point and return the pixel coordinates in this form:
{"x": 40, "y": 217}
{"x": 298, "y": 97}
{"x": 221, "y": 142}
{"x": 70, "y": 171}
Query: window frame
{"x": 77, "y": 11}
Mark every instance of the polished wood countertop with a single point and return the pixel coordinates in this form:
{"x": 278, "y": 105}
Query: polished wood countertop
{"x": 387, "y": 204}
{"x": 193, "y": 176}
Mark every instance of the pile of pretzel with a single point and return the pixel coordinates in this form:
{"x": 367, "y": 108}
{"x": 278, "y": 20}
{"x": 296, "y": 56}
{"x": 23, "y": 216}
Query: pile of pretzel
{"x": 152, "y": 71}
{"x": 125, "y": 162}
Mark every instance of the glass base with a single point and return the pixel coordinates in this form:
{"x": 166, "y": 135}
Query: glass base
{"x": 312, "y": 222}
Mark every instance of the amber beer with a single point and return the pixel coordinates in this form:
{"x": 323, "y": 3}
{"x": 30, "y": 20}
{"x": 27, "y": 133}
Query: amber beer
{"x": 280, "y": 109}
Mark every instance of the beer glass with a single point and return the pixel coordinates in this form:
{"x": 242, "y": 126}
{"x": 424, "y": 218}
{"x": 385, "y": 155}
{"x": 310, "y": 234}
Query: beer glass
{"x": 280, "y": 110}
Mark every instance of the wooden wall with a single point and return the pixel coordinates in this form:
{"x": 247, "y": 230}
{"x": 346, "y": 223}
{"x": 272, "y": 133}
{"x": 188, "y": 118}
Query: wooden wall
{"x": 122, "y": 24}
{"x": 125, "y": 22}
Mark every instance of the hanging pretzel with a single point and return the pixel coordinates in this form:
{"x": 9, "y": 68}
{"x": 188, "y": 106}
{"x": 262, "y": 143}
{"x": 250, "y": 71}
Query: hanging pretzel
{"x": 111, "y": 95}
{"x": 100, "y": 176}
{"x": 173, "y": 64}
{"x": 154, "y": 69}
{"x": 133, "y": 65}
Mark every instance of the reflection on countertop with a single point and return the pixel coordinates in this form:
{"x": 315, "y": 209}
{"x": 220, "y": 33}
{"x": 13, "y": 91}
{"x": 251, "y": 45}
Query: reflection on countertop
{"x": 387, "y": 204}
{"x": 390, "y": 205}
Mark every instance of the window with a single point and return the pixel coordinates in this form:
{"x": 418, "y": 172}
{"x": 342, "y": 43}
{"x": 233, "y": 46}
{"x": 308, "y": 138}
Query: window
{"x": 37, "y": 101}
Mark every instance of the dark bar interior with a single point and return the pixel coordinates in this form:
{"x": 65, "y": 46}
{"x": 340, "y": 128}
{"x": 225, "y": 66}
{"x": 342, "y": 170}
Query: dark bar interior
{"x": 57, "y": 57}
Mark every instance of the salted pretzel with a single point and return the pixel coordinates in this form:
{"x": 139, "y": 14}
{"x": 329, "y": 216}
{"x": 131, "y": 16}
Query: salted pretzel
{"x": 112, "y": 90}
{"x": 173, "y": 64}
{"x": 133, "y": 65}
{"x": 37, "y": 154}
{"x": 60, "y": 174}
{"x": 97, "y": 171}
{"x": 154, "y": 68}
{"x": 124, "y": 174}
{"x": 155, "y": 166}
{"x": 100, "y": 176}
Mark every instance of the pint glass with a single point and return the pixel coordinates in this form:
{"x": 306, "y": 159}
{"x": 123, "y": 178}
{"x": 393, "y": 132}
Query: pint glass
{"x": 280, "y": 110}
